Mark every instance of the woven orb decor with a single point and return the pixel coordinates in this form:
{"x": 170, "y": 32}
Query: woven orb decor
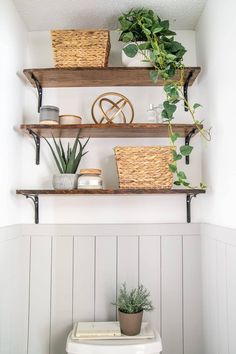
{"x": 112, "y": 107}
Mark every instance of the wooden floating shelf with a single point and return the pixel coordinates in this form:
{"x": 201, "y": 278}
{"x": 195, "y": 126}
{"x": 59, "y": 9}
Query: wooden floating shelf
{"x": 139, "y": 130}
{"x": 27, "y": 192}
{"x": 101, "y": 77}
{"x": 34, "y": 194}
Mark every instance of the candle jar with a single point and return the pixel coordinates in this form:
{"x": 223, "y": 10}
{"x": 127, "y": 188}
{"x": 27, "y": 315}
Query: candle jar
{"x": 90, "y": 179}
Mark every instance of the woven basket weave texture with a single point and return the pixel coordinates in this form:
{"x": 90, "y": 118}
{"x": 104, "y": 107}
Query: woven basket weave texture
{"x": 80, "y": 48}
{"x": 145, "y": 167}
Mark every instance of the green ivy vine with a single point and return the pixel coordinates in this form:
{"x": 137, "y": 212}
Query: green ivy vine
{"x": 146, "y": 33}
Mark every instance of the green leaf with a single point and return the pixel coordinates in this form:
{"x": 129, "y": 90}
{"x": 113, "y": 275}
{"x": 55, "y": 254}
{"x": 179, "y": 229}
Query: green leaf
{"x": 165, "y": 24}
{"x": 154, "y": 76}
{"x": 60, "y": 154}
{"x": 146, "y": 31}
{"x": 172, "y": 168}
{"x": 125, "y": 24}
{"x": 176, "y": 156}
{"x": 144, "y": 46}
{"x": 203, "y": 185}
{"x": 157, "y": 29}
{"x": 196, "y": 105}
{"x": 168, "y": 87}
{"x": 181, "y": 175}
{"x": 131, "y": 50}
{"x": 55, "y": 157}
{"x": 177, "y": 183}
{"x": 186, "y": 150}
{"x": 169, "y": 108}
{"x": 174, "y": 137}
{"x": 185, "y": 184}
{"x": 70, "y": 165}
{"x": 148, "y": 21}
{"x": 127, "y": 37}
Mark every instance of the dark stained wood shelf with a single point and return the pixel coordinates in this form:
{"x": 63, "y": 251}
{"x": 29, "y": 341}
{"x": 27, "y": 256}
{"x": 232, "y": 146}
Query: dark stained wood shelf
{"x": 100, "y": 77}
{"x": 26, "y": 192}
{"x": 138, "y": 130}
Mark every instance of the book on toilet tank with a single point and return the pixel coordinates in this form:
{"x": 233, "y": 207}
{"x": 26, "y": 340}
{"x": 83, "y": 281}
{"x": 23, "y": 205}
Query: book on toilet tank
{"x": 97, "y": 329}
{"x": 112, "y": 330}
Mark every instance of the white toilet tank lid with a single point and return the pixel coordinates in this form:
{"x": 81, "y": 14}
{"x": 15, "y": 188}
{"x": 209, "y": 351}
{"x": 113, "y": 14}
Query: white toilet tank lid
{"x": 111, "y": 346}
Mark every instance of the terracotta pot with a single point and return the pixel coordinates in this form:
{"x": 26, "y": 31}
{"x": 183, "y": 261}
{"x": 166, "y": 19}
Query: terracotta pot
{"x": 130, "y": 323}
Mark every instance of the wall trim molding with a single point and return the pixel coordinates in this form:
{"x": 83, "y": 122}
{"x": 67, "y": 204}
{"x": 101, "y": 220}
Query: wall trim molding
{"x": 219, "y": 233}
{"x": 110, "y": 229}
{"x": 10, "y": 232}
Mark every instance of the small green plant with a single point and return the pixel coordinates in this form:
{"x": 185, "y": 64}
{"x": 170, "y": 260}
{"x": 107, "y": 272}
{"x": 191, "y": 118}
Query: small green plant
{"x": 136, "y": 300}
{"x": 165, "y": 56}
{"x": 67, "y": 161}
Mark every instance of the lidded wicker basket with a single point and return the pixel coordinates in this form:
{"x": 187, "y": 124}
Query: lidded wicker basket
{"x": 145, "y": 167}
{"x": 80, "y": 48}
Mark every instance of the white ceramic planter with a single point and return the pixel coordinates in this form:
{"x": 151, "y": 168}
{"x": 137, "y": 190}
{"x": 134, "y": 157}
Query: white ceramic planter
{"x": 65, "y": 181}
{"x": 137, "y": 60}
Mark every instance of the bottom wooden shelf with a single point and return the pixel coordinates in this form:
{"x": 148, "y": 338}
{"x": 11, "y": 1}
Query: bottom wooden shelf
{"x": 33, "y": 194}
{"x": 107, "y": 191}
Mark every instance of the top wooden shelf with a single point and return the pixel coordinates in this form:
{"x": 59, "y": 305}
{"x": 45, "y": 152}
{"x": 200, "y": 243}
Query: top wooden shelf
{"x": 100, "y": 77}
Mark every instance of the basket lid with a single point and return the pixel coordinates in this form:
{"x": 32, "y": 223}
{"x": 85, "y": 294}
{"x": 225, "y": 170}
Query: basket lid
{"x": 53, "y": 108}
{"x": 90, "y": 171}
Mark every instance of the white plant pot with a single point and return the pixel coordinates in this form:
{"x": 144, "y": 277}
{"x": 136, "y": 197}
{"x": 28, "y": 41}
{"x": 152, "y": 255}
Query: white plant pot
{"x": 65, "y": 181}
{"x": 137, "y": 60}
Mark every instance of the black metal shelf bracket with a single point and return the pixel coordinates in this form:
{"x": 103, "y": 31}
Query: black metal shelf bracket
{"x": 36, "y": 138}
{"x": 35, "y": 200}
{"x": 39, "y": 89}
{"x": 186, "y": 84}
{"x": 188, "y": 206}
{"x": 187, "y": 142}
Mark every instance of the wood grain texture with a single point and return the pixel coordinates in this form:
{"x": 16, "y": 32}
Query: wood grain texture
{"x": 107, "y": 191}
{"x": 100, "y": 77}
{"x": 137, "y": 130}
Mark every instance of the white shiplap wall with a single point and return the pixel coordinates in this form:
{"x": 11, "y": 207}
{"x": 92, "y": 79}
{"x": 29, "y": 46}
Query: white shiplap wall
{"x": 219, "y": 289}
{"x": 73, "y": 272}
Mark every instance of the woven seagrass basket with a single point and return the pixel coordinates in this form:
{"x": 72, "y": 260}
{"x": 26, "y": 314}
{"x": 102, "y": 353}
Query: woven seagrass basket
{"x": 145, "y": 167}
{"x": 80, "y": 48}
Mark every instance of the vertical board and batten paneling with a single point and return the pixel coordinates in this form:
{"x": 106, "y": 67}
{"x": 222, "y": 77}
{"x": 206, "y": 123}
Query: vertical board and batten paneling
{"x": 76, "y": 275}
{"x": 149, "y": 275}
{"x": 61, "y": 293}
{"x": 127, "y": 265}
{"x": 172, "y": 296}
{"x": 14, "y": 291}
{"x": 222, "y": 320}
{"x": 219, "y": 289}
{"x": 105, "y": 279}
{"x": 192, "y": 300}
{"x": 84, "y": 279}
{"x": 40, "y": 295}
{"x": 231, "y": 299}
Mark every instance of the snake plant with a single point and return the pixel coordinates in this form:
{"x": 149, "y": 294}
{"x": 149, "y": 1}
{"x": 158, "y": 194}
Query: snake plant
{"x": 67, "y": 161}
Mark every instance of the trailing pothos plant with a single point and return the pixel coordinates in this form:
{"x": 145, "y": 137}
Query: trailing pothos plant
{"x": 146, "y": 33}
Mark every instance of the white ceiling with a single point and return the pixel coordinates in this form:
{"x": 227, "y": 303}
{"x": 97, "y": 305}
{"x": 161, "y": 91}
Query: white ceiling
{"x": 42, "y": 15}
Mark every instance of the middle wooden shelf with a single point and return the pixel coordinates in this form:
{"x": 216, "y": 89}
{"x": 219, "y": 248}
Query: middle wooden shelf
{"x": 136, "y": 130}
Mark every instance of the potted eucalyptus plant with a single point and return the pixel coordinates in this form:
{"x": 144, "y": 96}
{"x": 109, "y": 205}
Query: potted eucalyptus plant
{"x": 131, "y": 305}
{"x": 165, "y": 57}
{"x": 67, "y": 162}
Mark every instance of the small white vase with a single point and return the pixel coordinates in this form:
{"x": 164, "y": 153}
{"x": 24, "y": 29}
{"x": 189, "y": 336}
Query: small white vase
{"x": 65, "y": 181}
{"x": 138, "y": 59}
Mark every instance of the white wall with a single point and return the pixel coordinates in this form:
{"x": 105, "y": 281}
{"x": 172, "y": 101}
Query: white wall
{"x": 100, "y": 209}
{"x": 12, "y": 49}
{"x": 216, "y": 51}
